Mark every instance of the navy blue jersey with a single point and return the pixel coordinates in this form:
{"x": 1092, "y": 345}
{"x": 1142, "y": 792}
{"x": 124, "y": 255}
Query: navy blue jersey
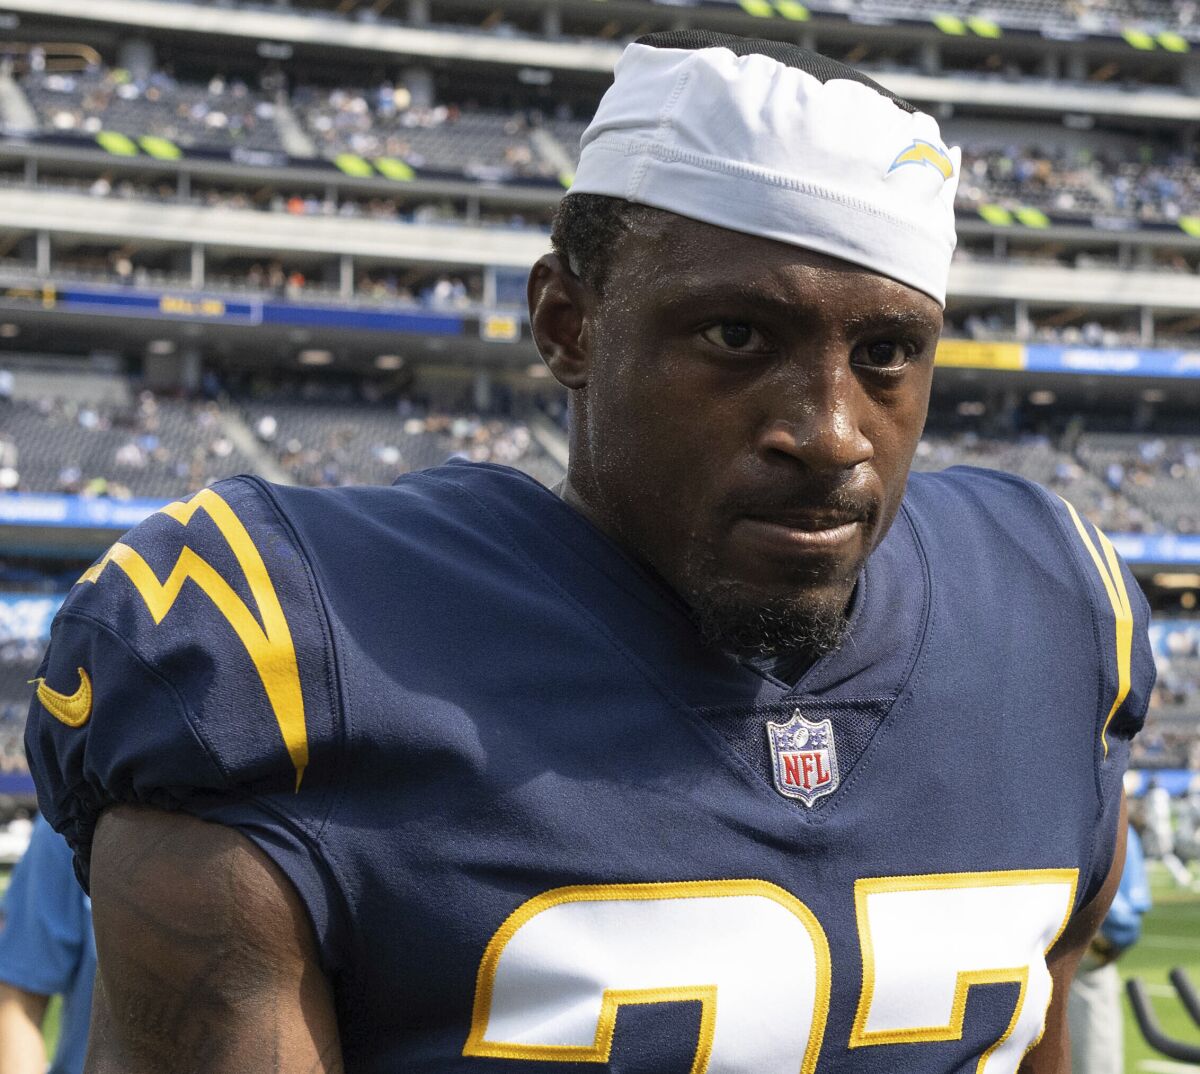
{"x": 535, "y": 819}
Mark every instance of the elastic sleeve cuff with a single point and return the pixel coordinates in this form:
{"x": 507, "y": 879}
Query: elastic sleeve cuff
{"x": 296, "y": 854}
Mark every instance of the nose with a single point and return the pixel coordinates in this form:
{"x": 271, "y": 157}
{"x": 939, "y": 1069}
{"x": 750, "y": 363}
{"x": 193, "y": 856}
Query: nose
{"x": 817, "y": 424}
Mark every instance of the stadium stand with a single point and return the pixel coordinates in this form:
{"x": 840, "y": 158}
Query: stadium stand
{"x": 1079, "y": 182}
{"x": 1143, "y": 181}
{"x": 1172, "y": 736}
{"x": 1161, "y": 474}
{"x": 226, "y": 113}
{"x": 1069, "y": 182}
{"x": 1041, "y": 15}
{"x": 220, "y": 115}
{"x": 159, "y": 447}
{"x": 341, "y": 445}
{"x": 22, "y": 639}
{"x": 446, "y": 138}
{"x": 1037, "y": 458}
{"x": 1038, "y": 14}
{"x": 156, "y": 447}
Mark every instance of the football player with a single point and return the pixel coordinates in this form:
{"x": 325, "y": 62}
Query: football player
{"x": 736, "y": 755}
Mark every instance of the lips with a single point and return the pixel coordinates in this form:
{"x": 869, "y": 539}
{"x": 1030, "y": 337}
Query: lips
{"x": 832, "y": 523}
{"x": 808, "y": 521}
{"x": 800, "y": 534}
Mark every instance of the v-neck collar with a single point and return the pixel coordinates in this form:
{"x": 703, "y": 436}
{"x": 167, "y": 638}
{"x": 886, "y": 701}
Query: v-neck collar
{"x": 649, "y": 619}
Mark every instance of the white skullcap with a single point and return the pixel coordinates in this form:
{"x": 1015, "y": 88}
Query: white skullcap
{"x": 827, "y": 161}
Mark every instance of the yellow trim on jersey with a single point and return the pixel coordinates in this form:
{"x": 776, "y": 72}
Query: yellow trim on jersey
{"x": 1109, "y": 569}
{"x": 706, "y": 995}
{"x": 859, "y": 1035}
{"x": 269, "y": 646}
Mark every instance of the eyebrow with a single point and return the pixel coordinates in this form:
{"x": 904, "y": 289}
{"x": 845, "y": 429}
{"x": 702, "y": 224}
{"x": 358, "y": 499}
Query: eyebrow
{"x": 890, "y": 320}
{"x": 723, "y": 295}
{"x": 885, "y": 318}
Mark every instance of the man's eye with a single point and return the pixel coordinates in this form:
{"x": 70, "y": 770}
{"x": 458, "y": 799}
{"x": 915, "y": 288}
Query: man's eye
{"x": 885, "y": 354}
{"x": 735, "y": 336}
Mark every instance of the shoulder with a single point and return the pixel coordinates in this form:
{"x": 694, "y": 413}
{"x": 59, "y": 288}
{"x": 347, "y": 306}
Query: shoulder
{"x": 422, "y": 509}
{"x": 978, "y": 504}
{"x": 431, "y": 540}
{"x": 1008, "y": 521}
{"x": 1022, "y": 545}
{"x": 193, "y": 659}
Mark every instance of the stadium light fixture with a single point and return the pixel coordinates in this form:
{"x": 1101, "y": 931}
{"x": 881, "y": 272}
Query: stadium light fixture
{"x": 160, "y": 346}
{"x": 1154, "y": 395}
{"x": 8, "y": 330}
{"x": 1042, "y": 397}
{"x": 389, "y": 361}
{"x": 312, "y": 356}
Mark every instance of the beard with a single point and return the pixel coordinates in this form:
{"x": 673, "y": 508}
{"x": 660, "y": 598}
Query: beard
{"x": 767, "y": 627}
{"x": 745, "y": 622}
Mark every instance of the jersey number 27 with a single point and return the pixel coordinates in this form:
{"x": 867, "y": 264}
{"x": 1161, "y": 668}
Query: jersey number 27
{"x": 555, "y": 973}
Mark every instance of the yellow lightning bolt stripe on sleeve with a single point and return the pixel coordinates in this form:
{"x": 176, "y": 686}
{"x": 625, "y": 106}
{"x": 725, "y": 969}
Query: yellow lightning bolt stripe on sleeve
{"x": 1109, "y": 569}
{"x": 270, "y": 645}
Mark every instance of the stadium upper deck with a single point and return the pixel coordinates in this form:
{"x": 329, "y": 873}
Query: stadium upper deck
{"x": 990, "y": 20}
{"x": 1122, "y": 214}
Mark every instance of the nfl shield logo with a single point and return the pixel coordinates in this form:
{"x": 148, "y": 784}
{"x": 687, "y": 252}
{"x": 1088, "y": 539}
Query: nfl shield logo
{"x": 803, "y": 758}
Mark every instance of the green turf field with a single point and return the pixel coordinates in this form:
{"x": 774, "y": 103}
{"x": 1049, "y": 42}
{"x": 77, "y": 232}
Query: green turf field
{"x": 1170, "y": 937}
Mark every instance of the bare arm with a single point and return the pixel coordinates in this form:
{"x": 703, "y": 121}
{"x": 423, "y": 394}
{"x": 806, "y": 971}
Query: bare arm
{"x": 1053, "y": 1054}
{"x": 21, "y": 1014}
{"x": 207, "y": 962}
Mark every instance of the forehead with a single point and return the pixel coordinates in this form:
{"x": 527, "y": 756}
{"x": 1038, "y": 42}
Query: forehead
{"x": 666, "y": 258}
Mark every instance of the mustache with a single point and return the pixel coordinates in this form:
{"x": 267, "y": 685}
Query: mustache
{"x": 843, "y": 501}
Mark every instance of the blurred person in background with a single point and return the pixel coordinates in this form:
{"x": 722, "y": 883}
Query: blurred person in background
{"x": 1094, "y": 1003}
{"x": 1160, "y": 831}
{"x": 46, "y": 949}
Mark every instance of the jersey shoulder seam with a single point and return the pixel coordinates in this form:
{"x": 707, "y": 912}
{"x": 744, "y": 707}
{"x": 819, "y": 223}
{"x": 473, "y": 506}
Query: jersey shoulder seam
{"x": 597, "y": 624}
{"x": 1074, "y": 553}
{"x": 333, "y": 676}
{"x": 150, "y": 669}
{"x": 1045, "y": 501}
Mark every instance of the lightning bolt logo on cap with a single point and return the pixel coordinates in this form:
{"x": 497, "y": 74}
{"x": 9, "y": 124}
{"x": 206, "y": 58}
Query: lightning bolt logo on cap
{"x": 924, "y": 153}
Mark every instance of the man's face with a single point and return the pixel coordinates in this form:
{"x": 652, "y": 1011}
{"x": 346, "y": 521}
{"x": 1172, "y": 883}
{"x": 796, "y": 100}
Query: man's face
{"x": 747, "y": 421}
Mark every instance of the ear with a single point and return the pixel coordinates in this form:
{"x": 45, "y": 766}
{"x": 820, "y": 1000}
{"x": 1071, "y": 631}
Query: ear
{"x": 560, "y": 307}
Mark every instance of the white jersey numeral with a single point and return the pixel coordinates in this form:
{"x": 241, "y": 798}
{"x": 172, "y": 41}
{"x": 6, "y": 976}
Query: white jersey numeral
{"x": 556, "y": 972}
{"x": 927, "y": 939}
{"x": 757, "y": 961}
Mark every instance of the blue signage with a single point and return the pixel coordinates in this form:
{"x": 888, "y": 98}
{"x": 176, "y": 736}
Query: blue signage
{"x": 186, "y": 305}
{"x": 1112, "y": 361}
{"x": 26, "y": 618}
{"x": 1165, "y": 548}
{"x": 1175, "y": 781}
{"x": 75, "y": 512}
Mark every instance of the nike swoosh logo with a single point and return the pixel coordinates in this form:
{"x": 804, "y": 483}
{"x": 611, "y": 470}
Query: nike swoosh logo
{"x": 72, "y": 709}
